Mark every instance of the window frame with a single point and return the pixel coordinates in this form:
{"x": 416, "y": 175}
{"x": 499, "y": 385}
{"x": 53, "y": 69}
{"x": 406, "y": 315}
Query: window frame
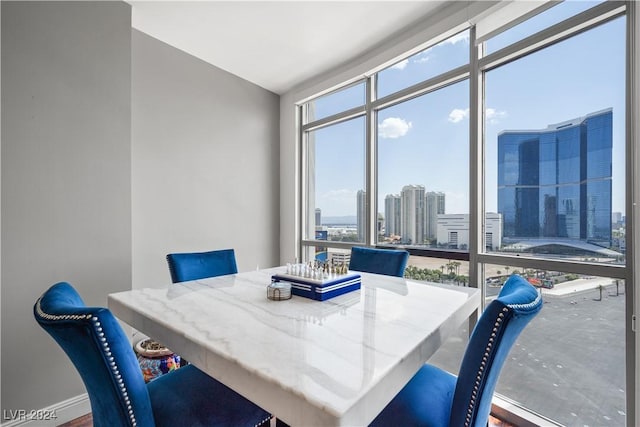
{"x": 589, "y": 19}
{"x": 370, "y": 111}
{"x": 477, "y": 254}
{"x": 582, "y": 22}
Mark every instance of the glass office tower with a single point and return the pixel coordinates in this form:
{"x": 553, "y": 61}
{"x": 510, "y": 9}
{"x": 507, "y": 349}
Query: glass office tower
{"x": 556, "y": 182}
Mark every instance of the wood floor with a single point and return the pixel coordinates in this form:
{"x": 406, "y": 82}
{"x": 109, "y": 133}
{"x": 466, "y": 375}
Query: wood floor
{"x": 87, "y": 421}
{"x": 84, "y": 421}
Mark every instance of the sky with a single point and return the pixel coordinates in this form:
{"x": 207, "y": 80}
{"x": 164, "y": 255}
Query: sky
{"x": 425, "y": 141}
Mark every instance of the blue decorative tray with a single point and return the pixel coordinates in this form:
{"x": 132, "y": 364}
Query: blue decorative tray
{"x": 320, "y": 289}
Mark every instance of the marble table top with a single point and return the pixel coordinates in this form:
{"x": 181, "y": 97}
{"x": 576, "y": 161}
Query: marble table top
{"x": 311, "y": 363}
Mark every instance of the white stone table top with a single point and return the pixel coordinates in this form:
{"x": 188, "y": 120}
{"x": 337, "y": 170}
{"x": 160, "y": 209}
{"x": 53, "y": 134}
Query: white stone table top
{"x": 311, "y": 363}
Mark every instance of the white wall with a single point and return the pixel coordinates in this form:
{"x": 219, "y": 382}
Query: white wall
{"x": 66, "y": 162}
{"x": 205, "y": 162}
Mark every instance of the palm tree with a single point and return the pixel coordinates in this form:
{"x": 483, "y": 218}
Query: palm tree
{"x": 451, "y": 267}
{"x": 457, "y": 265}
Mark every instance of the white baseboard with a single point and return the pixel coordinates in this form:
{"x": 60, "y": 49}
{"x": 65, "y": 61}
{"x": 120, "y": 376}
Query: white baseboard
{"x": 64, "y": 412}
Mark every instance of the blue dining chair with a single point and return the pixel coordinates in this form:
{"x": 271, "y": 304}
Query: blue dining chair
{"x": 199, "y": 265}
{"x": 390, "y": 262}
{"x": 102, "y": 354}
{"x": 436, "y": 398}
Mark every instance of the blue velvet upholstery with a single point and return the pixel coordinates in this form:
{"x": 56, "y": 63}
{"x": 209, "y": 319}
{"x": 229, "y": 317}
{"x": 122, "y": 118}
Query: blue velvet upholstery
{"x": 436, "y": 398}
{"x": 391, "y": 262}
{"x": 199, "y": 265}
{"x": 102, "y": 354}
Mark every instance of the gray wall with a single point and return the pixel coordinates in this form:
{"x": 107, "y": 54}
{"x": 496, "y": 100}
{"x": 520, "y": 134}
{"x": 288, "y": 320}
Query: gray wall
{"x": 205, "y": 153}
{"x": 117, "y": 149}
{"x": 66, "y": 178}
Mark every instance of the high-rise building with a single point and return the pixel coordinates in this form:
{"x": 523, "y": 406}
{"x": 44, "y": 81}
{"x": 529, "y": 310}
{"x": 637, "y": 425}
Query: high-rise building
{"x": 392, "y": 218}
{"x": 412, "y": 214}
{"x": 453, "y": 231}
{"x": 616, "y": 217}
{"x": 361, "y": 212}
{"x": 318, "y": 218}
{"x": 556, "y": 182}
{"x": 434, "y": 207}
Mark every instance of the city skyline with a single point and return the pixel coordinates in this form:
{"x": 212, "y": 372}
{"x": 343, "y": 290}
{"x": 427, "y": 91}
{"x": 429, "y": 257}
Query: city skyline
{"x": 425, "y": 140}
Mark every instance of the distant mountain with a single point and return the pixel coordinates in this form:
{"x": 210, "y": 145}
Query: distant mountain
{"x": 339, "y": 220}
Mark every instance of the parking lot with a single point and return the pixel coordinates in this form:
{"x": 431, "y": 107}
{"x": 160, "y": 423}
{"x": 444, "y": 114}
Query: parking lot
{"x": 568, "y": 364}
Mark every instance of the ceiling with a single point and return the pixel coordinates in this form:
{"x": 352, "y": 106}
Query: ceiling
{"x": 276, "y": 44}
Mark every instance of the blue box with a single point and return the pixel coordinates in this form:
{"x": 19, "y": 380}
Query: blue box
{"x": 320, "y": 289}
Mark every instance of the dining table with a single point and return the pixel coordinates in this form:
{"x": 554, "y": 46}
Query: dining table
{"x": 336, "y": 362}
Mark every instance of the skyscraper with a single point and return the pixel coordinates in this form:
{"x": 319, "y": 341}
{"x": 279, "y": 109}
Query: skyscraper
{"x": 412, "y": 214}
{"x": 434, "y": 206}
{"x": 392, "y": 218}
{"x": 361, "y": 212}
{"x": 556, "y": 182}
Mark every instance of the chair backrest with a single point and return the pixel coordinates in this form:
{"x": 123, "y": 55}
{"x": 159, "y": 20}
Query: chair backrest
{"x": 391, "y": 262}
{"x": 493, "y": 336}
{"x": 199, "y": 265}
{"x": 102, "y": 354}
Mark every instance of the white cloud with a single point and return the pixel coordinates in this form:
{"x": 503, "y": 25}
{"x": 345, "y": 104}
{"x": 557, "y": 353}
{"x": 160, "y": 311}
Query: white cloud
{"x": 393, "y": 127}
{"x": 493, "y": 116}
{"x": 457, "y": 115}
{"x": 400, "y": 65}
{"x": 460, "y": 37}
{"x": 421, "y": 58}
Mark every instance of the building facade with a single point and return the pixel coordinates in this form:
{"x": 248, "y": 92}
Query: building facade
{"x": 556, "y": 182}
{"x": 392, "y": 217}
{"x": 453, "y": 231}
{"x": 413, "y": 214}
{"x": 434, "y": 207}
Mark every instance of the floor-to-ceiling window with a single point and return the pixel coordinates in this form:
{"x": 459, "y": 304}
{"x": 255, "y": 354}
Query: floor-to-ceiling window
{"x": 554, "y": 169}
{"x": 391, "y": 162}
{"x": 397, "y": 144}
{"x": 334, "y": 169}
